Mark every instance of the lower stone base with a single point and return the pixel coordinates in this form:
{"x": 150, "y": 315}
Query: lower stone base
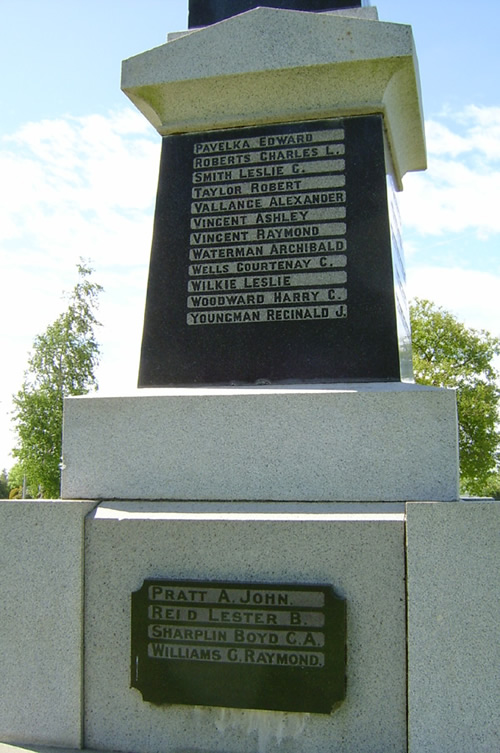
{"x": 358, "y": 442}
{"x": 359, "y": 552}
{"x": 448, "y": 589}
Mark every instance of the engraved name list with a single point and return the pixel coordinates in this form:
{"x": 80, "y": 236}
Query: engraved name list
{"x": 267, "y": 229}
{"x": 242, "y": 625}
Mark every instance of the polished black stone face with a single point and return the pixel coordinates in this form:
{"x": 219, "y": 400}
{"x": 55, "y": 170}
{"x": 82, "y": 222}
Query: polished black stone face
{"x": 206, "y": 12}
{"x": 272, "y": 259}
{"x": 256, "y": 646}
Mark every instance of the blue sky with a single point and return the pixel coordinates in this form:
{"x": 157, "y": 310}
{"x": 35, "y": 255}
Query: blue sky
{"x": 78, "y": 169}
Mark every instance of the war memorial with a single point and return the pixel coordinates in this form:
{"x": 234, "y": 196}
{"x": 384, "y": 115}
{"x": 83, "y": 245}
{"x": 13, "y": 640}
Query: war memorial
{"x": 263, "y": 548}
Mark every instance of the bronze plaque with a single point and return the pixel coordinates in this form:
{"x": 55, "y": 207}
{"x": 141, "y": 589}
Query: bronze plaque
{"x": 239, "y": 645}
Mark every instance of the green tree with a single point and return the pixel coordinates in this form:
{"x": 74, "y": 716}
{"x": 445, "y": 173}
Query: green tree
{"x": 448, "y": 354}
{"x": 62, "y": 363}
{"x": 17, "y": 483}
{"x": 4, "y": 485}
{"x": 492, "y": 486}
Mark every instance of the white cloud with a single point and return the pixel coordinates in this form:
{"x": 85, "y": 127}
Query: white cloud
{"x": 483, "y": 129}
{"x": 441, "y": 140}
{"x": 71, "y": 188}
{"x": 461, "y": 187}
{"x": 78, "y": 185}
{"x": 480, "y": 132}
{"x": 470, "y": 294}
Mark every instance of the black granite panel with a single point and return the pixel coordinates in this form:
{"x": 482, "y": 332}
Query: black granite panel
{"x": 206, "y": 12}
{"x": 271, "y": 259}
{"x": 256, "y": 646}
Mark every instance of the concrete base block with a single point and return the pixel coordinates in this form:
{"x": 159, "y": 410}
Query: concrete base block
{"x": 360, "y": 553}
{"x": 41, "y": 621}
{"x": 453, "y": 558}
{"x": 358, "y": 442}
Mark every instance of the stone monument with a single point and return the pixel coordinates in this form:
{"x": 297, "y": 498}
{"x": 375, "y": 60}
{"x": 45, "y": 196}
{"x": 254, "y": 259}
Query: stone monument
{"x": 243, "y": 555}
{"x": 276, "y": 254}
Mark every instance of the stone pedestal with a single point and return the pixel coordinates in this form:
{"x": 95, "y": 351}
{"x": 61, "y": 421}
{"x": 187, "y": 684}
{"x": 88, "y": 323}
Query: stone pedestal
{"x": 418, "y": 578}
{"x": 365, "y": 442}
{"x": 55, "y": 694}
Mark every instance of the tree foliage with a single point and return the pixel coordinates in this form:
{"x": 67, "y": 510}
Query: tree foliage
{"x": 448, "y": 354}
{"x": 62, "y": 363}
{"x": 492, "y": 486}
{"x": 4, "y": 485}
